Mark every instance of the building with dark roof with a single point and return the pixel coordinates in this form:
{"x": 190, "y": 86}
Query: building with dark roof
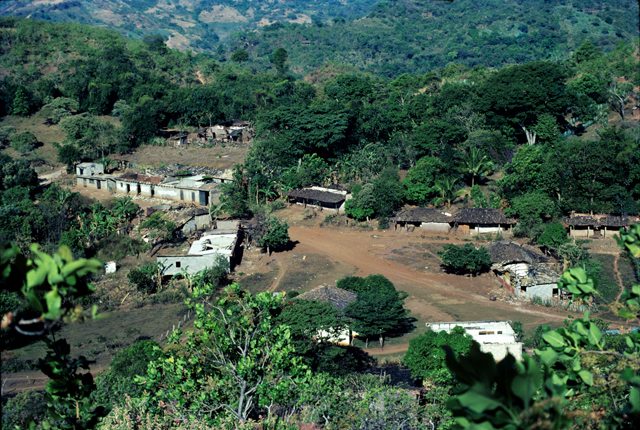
{"x": 482, "y": 221}
{"x": 596, "y": 226}
{"x": 521, "y": 270}
{"x": 324, "y": 198}
{"x": 428, "y": 219}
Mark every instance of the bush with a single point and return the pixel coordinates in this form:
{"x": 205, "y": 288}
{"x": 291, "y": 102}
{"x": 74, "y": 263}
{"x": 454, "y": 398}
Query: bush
{"x": 24, "y": 407}
{"x": 116, "y": 247}
{"x": 146, "y": 278}
{"x": 466, "y": 258}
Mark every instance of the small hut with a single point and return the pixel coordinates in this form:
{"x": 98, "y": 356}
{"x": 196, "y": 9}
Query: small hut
{"x": 426, "y": 218}
{"x": 318, "y": 197}
{"x": 482, "y": 221}
{"x": 594, "y": 226}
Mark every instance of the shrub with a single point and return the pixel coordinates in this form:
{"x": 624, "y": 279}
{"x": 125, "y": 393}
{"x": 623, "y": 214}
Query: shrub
{"x": 24, "y": 407}
{"x": 466, "y": 258}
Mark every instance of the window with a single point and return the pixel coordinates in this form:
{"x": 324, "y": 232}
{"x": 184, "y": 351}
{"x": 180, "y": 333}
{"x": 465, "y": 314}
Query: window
{"x": 91, "y": 181}
{"x": 500, "y": 332}
{"x": 178, "y": 264}
{"x": 486, "y": 332}
{"x": 193, "y": 197}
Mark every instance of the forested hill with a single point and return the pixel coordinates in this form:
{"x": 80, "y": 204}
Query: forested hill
{"x": 415, "y": 36}
{"x": 198, "y": 25}
{"x": 385, "y": 38}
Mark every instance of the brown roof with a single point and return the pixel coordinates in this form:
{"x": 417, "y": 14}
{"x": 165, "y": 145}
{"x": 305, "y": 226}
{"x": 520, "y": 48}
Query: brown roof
{"x": 423, "y": 215}
{"x": 317, "y": 195}
{"x": 481, "y": 216}
{"x": 137, "y": 177}
{"x": 505, "y": 252}
{"x": 329, "y": 294}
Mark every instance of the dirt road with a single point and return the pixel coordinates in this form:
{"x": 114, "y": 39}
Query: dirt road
{"x": 366, "y": 251}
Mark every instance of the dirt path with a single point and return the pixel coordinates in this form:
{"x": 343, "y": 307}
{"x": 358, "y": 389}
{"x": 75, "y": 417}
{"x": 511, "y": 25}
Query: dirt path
{"x": 45, "y": 179}
{"x": 616, "y": 272}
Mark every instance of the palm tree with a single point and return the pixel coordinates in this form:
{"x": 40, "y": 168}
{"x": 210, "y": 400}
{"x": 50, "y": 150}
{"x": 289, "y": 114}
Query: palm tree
{"x": 449, "y": 190}
{"x": 475, "y": 165}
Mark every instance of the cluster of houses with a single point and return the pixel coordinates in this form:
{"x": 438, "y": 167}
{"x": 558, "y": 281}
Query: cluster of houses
{"x": 187, "y": 184}
{"x": 233, "y": 131}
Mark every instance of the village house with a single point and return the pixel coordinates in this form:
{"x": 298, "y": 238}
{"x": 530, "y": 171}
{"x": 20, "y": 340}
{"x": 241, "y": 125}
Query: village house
{"x": 91, "y": 175}
{"x": 426, "y": 218}
{"x": 186, "y": 219}
{"x": 332, "y": 198}
{"x": 230, "y": 131}
{"x": 598, "y": 226}
{"x": 482, "y": 221}
{"x": 521, "y": 271}
{"x": 495, "y": 337}
{"x": 204, "y": 252}
{"x": 340, "y": 299}
{"x": 176, "y": 182}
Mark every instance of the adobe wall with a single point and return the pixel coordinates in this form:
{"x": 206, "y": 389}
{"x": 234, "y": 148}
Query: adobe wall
{"x": 500, "y": 350}
{"x": 436, "y": 226}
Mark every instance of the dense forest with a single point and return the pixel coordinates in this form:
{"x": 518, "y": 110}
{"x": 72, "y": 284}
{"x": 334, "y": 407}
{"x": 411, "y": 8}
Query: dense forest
{"x": 538, "y": 136}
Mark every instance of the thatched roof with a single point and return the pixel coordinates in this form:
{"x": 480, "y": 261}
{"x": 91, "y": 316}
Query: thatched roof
{"x": 506, "y": 252}
{"x": 329, "y": 294}
{"x": 423, "y": 215}
{"x": 317, "y": 195}
{"x": 481, "y": 216}
{"x": 597, "y": 221}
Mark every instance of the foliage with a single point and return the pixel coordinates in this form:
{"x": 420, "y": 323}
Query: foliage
{"x": 276, "y": 234}
{"x": 554, "y": 236}
{"x": 69, "y": 155}
{"x": 239, "y": 360}
{"x": 52, "y": 284}
{"x": 378, "y": 310}
{"x": 465, "y": 258}
{"x": 425, "y": 357}
{"x": 25, "y": 407}
{"x": 23, "y": 142}
{"x": 147, "y": 278}
{"x": 158, "y": 226}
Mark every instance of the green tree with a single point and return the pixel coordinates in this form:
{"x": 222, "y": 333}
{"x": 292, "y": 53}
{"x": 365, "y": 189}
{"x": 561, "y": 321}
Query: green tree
{"x": 280, "y": 57}
{"x": 21, "y": 103}
{"x": 448, "y": 190}
{"x": 475, "y": 164}
{"x": 425, "y": 357}
{"x": 466, "y": 258}
{"x": 554, "y": 236}
{"x": 379, "y": 309}
{"x": 23, "y": 142}
{"x": 240, "y": 56}
{"x": 69, "y": 155}
{"x": 421, "y": 180}
{"x": 276, "y": 234}
{"x": 532, "y": 209}
{"x": 240, "y": 359}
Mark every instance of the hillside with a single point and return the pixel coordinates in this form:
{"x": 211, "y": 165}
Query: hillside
{"x": 188, "y": 24}
{"x": 416, "y": 37}
{"x": 385, "y": 38}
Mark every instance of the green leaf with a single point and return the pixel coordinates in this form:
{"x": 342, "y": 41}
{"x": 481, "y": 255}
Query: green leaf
{"x": 586, "y": 376}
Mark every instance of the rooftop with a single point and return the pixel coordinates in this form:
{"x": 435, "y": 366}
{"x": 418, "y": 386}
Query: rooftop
{"x": 423, "y": 215}
{"x": 138, "y": 177}
{"x": 599, "y": 220}
{"x": 481, "y": 216}
{"x": 319, "y": 194}
{"x": 509, "y": 252}
{"x": 329, "y": 294}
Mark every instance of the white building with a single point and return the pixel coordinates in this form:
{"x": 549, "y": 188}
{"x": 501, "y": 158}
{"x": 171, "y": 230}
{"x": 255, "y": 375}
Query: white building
{"x": 496, "y": 337}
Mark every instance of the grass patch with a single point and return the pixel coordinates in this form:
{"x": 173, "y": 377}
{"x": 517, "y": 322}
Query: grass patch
{"x": 607, "y": 283}
{"x": 258, "y": 282}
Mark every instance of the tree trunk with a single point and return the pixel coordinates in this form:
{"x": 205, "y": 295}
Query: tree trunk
{"x": 381, "y": 342}
{"x": 531, "y": 135}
